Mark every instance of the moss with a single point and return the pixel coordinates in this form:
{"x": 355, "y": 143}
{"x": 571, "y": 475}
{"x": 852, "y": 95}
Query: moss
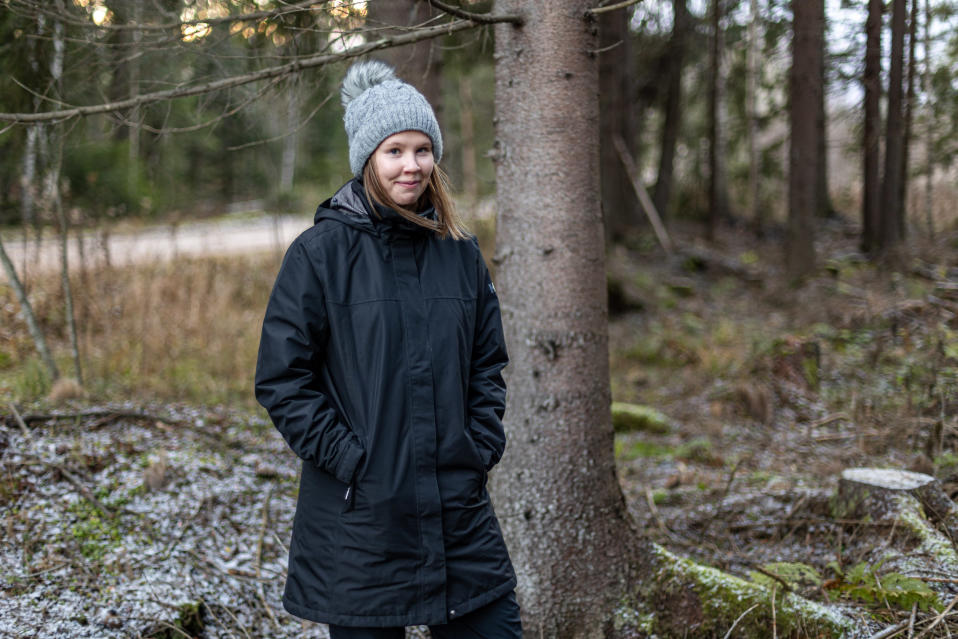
{"x": 705, "y": 601}
{"x": 634, "y": 417}
{"x": 932, "y": 542}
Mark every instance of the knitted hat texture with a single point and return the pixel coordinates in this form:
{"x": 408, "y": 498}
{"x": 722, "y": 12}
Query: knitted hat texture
{"x": 378, "y": 104}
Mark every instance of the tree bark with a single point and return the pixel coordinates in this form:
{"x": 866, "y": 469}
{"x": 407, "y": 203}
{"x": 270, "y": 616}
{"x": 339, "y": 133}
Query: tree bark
{"x": 823, "y": 199}
{"x": 909, "y": 111}
{"x": 470, "y": 181}
{"x": 52, "y": 195}
{"x": 616, "y": 118}
{"x": 673, "y": 108}
{"x": 420, "y": 63}
{"x": 929, "y": 126}
{"x": 33, "y": 326}
{"x": 567, "y": 526}
{"x": 718, "y": 189}
{"x": 805, "y": 91}
{"x": 755, "y": 211}
{"x": 871, "y": 146}
{"x": 890, "y": 226}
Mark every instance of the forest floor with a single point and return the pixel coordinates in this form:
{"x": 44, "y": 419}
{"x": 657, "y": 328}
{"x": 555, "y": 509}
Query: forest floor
{"x": 768, "y": 393}
{"x": 158, "y": 518}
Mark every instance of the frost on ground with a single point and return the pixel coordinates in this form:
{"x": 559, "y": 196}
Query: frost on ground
{"x": 116, "y": 525}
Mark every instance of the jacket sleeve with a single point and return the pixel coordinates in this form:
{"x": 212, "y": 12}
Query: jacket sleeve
{"x": 487, "y": 390}
{"x": 295, "y": 330}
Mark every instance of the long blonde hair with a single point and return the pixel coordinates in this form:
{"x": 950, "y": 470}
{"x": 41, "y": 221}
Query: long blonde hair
{"x": 447, "y": 222}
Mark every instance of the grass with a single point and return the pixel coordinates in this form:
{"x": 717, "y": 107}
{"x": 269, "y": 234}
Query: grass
{"x": 185, "y": 330}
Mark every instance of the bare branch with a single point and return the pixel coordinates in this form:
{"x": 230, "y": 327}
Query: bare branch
{"x": 480, "y": 18}
{"x": 290, "y": 68}
{"x": 298, "y": 7}
{"x": 612, "y": 7}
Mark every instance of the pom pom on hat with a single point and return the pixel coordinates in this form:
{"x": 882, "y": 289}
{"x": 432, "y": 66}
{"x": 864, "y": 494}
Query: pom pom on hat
{"x": 379, "y": 104}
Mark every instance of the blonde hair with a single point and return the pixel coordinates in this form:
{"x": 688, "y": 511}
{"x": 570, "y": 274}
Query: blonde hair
{"x": 447, "y": 222}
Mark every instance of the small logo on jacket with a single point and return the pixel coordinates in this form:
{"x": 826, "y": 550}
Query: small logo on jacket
{"x": 492, "y": 289}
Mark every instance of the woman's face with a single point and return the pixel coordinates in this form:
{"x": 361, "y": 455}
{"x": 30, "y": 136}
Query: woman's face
{"x": 403, "y": 163}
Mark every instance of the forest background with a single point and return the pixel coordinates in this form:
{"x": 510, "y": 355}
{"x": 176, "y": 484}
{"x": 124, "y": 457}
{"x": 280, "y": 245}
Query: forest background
{"x": 778, "y": 190}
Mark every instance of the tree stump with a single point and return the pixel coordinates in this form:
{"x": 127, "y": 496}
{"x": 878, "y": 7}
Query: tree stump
{"x": 913, "y": 501}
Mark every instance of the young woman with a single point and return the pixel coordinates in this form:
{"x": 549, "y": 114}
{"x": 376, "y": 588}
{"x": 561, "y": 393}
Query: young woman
{"x": 380, "y": 364}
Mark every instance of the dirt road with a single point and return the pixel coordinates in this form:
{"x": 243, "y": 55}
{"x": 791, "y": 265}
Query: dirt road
{"x": 218, "y": 237}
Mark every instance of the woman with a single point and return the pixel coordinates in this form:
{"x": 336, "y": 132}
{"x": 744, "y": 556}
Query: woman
{"x": 380, "y": 364}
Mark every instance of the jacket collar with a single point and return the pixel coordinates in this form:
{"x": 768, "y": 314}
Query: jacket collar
{"x": 350, "y": 205}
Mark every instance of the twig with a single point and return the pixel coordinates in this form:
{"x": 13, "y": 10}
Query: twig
{"x": 259, "y": 558}
{"x": 735, "y": 623}
{"x": 941, "y": 616}
{"x": 478, "y": 18}
{"x": 647, "y": 205}
{"x": 215, "y": 618}
{"x": 612, "y": 7}
{"x": 114, "y": 414}
{"x": 890, "y": 631}
{"x": 771, "y": 575}
{"x": 911, "y": 620}
{"x": 73, "y": 479}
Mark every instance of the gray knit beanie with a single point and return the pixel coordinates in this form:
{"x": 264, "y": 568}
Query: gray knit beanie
{"x": 379, "y": 104}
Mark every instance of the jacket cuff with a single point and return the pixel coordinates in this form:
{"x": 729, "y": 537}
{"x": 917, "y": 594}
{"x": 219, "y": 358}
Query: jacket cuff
{"x": 346, "y": 468}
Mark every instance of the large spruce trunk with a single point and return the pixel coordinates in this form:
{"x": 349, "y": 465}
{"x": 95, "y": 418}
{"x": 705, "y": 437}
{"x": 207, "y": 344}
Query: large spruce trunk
{"x": 871, "y": 185}
{"x": 805, "y": 95}
{"x": 890, "y": 227}
{"x": 561, "y": 509}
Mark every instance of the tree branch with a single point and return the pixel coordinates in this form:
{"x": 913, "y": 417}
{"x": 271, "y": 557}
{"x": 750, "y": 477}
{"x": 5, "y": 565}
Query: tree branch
{"x": 612, "y": 7}
{"x": 298, "y": 7}
{"x": 290, "y": 68}
{"x": 479, "y": 18}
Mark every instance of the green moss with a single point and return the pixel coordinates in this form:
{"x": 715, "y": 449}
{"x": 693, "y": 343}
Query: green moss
{"x": 706, "y": 602}
{"x": 636, "y": 417}
{"x": 629, "y": 451}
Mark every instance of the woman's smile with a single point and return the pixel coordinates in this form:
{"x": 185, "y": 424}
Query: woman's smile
{"x": 403, "y": 162}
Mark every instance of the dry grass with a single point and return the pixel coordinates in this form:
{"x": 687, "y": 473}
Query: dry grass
{"x": 185, "y": 330}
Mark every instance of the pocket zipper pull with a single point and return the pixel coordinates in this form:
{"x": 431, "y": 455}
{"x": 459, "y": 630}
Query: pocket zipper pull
{"x": 349, "y": 491}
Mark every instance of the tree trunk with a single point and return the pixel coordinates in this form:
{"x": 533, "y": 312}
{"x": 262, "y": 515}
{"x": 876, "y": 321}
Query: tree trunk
{"x": 871, "y": 186}
{"x": 567, "y": 526}
{"x": 290, "y": 140}
{"x": 470, "y": 181}
{"x": 805, "y": 92}
{"x": 823, "y": 204}
{"x": 52, "y": 195}
{"x": 673, "y": 108}
{"x": 909, "y": 111}
{"x": 929, "y": 126}
{"x": 718, "y": 189}
{"x": 33, "y": 326}
{"x": 419, "y": 64}
{"x": 890, "y": 226}
{"x": 616, "y": 118}
{"x": 755, "y": 211}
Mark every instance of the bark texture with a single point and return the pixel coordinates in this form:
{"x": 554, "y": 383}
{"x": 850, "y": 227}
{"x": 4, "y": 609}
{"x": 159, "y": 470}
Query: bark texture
{"x": 805, "y": 91}
{"x": 890, "y": 230}
{"x": 718, "y": 189}
{"x": 616, "y": 117}
{"x": 561, "y": 509}
{"x": 673, "y": 108}
{"x": 871, "y": 187}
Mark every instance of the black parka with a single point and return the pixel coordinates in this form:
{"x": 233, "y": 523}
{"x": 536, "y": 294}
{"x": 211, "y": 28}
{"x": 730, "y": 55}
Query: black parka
{"x": 380, "y": 363}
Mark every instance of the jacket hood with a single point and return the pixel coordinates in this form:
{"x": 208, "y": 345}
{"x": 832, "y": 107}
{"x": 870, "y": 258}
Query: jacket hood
{"x": 350, "y": 206}
{"x": 347, "y": 205}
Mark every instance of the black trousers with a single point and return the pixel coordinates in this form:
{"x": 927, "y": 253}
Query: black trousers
{"x": 498, "y": 620}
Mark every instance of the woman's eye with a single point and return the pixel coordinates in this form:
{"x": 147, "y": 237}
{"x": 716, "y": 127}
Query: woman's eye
{"x": 424, "y": 149}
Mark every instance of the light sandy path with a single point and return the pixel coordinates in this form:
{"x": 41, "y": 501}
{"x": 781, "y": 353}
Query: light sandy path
{"x": 162, "y": 243}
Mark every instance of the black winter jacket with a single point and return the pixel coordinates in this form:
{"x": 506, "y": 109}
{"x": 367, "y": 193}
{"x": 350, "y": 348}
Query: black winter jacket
{"x": 380, "y": 363}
